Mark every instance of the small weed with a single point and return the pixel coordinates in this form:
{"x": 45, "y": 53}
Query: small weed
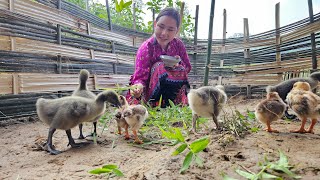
{"x": 194, "y": 148}
{"x": 239, "y": 124}
{"x": 109, "y": 170}
{"x": 268, "y": 170}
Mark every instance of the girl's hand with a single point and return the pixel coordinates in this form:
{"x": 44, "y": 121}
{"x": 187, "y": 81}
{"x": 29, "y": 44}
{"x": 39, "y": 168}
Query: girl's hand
{"x": 136, "y": 90}
{"x": 177, "y": 57}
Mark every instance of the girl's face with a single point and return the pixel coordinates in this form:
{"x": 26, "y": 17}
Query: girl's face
{"x": 165, "y": 30}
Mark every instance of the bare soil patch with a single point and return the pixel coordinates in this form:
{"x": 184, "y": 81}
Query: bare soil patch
{"x": 20, "y": 160}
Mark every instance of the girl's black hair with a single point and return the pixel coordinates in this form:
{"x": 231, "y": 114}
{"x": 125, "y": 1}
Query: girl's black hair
{"x": 171, "y": 12}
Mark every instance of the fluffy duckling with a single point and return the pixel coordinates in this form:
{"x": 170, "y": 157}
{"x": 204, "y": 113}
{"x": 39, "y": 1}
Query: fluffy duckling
{"x": 285, "y": 87}
{"x": 270, "y": 109}
{"x": 305, "y": 104}
{"x": 135, "y": 116}
{"x": 206, "y": 101}
{"x": 83, "y": 91}
{"x": 121, "y": 122}
{"x": 67, "y": 112}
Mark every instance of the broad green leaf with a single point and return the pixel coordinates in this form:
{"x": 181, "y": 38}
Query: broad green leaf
{"x": 117, "y": 6}
{"x": 100, "y": 171}
{"x": 265, "y": 175}
{"x": 283, "y": 161}
{"x": 127, "y": 4}
{"x": 226, "y": 177}
{"x": 199, "y": 145}
{"x": 167, "y": 134}
{"x": 179, "y": 135}
{"x": 245, "y": 174}
{"x": 121, "y": 4}
{"x": 109, "y": 166}
{"x": 117, "y": 172}
{"x": 187, "y": 161}
{"x": 180, "y": 149}
{"x": 198, "y": 160}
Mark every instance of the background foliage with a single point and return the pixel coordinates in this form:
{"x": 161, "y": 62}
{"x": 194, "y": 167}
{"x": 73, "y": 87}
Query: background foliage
{"x": 124, "y": 15}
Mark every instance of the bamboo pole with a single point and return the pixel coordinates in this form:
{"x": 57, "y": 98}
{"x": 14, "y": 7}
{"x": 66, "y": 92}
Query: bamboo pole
{"x": 278, "y": 40}
{"x": 223, "y": 42}
{"x": 153, "y": 19}
{"x": 110, "y": 28}
{"x": 313, "y": 41}
{"x": 181, "y": 18}
{"x": 206, "y": 74}
{"x": 195, "y": 39}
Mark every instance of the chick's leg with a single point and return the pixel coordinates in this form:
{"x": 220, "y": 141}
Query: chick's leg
{"x": 126, "y": 136}
{"x": 314, "y": 121}
{"x": 301, "y": 130}
{"x": 49, "y": 146}
{"x": 194, "y": 123}
{"x": 215, "y": 120}
{"x": 119, "y": 130}
{"x": 136, "y": 140}
{"x": 269, "y": 128}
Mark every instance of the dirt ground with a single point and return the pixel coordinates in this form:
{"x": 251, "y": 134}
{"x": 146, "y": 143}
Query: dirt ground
{"x": 19, "y": 160}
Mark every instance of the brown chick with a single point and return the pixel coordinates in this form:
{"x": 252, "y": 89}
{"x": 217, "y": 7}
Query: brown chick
{"x": 121, "y": 122}
{"x": 135, "y": 115}
{"x": 270, "y": 109}
{"x": 305, "y": 104}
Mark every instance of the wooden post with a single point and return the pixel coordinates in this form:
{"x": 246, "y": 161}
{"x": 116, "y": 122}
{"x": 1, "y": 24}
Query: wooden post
{"x": 181, "y": 18}
{"x": 89, "y": 33}
{"x": 11, "y": 5}
{"x": 206, "y": 73}
{"x": 278, "y": 40}
{"x": 153, "y": 19}
{"x": 59, "y": 34}
{"x": 13, "y": 43}
{"x": 246, "y": 51}
{"x": 15, "y": 83}
{"x": 59, "y": 4}
{"x": 95, "y": 83}
{"x": 110, "y": 28}
{"x": 223, "y": 48}
{"x": 195, "y": 41}
{"x": 59, "y": 65}
{"x": 313, "y": 39}
{"x": 87, "y": 5}
{"x": 134, "y": 24}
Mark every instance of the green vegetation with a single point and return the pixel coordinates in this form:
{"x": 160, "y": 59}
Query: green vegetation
{"x": 269, "y": 170}
{"x": 122, "y": 13}
{"x": 109, "y": 170}
{"x": 194, "y": 148}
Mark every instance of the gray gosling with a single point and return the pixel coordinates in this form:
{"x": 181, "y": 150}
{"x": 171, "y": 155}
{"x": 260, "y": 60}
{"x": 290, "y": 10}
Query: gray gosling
{"x": 270, "y": 109}
{"x": 206, "y": 101}
{"x": 67, "y": 112}
{"x": 121, "y": 122}
{"x": 82, "y": 91}
{"x": 135, "y": 115}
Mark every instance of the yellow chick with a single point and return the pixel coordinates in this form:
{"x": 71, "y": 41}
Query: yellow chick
{"x": 305, "y": 104}
{"x": 135, "y": 115}
{"x": 270, "y": 109}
